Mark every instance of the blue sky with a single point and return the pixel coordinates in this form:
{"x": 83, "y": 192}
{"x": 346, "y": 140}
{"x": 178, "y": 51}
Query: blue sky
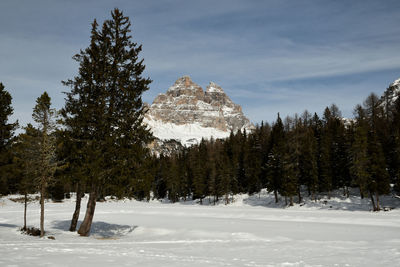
{"x": 269, "y": 56}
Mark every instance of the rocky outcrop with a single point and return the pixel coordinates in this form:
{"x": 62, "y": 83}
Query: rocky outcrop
{"x": 391, "y": 94}
{"x": 185, "y": 103}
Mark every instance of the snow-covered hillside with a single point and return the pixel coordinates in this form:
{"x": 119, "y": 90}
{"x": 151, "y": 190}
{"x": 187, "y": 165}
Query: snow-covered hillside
{"x": 251, "y": 232}
{"x": 187, "y": 134}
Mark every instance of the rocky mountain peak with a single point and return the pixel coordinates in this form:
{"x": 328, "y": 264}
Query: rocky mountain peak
{"x": 186, "y": 110}
{"x": 185, "y": 86}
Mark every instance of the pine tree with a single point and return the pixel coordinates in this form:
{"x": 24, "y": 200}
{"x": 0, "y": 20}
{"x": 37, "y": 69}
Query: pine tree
{"x": 326, "y": 179}
{"x": 275, "y": 167}
{"x": 201, "y": 170}
{"x": 104, "y": 110}
{"x": 241, "y": 175}
{"x": 379, "y": 178}
{"x": 291, "y": 160}
{"x": 395, "y": 131}
{"x": 308, "y": 161}
{"x": 264, "y": 132}
{"x": 231, "y": 150}
{"x": 6, "y": 136}
{"x": 253, "y": 163}
{"x": 26, "y": 152}
{"x": 317, "y": 129}
{"x": 359, "y": 152}
{"x": 379, "y": 183}
{"x": 225, "y": 174}
{"x": 46, "y": 166}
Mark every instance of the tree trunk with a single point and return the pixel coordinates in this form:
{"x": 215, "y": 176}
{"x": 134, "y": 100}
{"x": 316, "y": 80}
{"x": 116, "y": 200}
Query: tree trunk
{"x": 378, "y": 208}
{"x": 25, "y": 205}
{"x": 276, "y": 196}
{"x": 42, "y": 192}
{"x": 372, "y": 201}
{"x": 84, "y": 229}
{"x": 361, "y": 193}
{"x": 299, "y": 193}
{"x": 75, "y": 216}
{"x": 291, "y": 201}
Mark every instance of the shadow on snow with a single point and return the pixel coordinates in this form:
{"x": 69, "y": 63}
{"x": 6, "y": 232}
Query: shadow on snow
{"x": 8, "y": 225}
{"x": 99, "y": 229}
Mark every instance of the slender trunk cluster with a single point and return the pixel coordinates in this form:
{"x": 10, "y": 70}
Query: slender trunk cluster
{"x": 25, "y": 207}
{"x": 84, "y": 229}
{"x": 75, "y": 216}
{"x": 42, "y": 195}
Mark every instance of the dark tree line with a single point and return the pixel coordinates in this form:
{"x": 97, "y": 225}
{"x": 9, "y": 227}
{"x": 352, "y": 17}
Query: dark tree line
{"x": 320, "y": 154}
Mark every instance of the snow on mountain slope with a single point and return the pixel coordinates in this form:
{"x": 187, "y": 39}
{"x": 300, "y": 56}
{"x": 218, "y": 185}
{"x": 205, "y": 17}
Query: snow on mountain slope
{"x": 187, "y": 134}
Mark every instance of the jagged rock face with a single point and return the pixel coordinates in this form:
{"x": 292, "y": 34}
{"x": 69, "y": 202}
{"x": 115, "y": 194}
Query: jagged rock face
{"x": 186, "y": 103}
{"x": 391, "y": 94}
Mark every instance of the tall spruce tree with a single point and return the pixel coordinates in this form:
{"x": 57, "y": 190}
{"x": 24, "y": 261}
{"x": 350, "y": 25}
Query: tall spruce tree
{"x": 252, "y": 163}
{"x": 201, "y": 170}
{"x": 6, "y": 135}
{"x": 395, "y": 130}
{"x": 26, "y": 153}
{"x": 104, "y": 110}
{"x": 326, "y": 176}
{"x": 308, "y": 161}
{"x": 291, "y": 163}
{"x": 379, "y": 178}
{"x": 317, "y": 129}
{"x": 275, "y": 167}
{"x": 46, "y": 163}
{"x": 359, "y": 152}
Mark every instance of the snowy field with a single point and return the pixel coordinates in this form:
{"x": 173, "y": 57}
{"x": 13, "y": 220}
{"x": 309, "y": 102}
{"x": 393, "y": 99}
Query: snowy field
{"x": 250, "y": 232}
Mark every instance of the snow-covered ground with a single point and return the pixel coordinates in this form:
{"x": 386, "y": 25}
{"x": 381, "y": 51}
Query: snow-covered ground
{"x": 252, "y": 231}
